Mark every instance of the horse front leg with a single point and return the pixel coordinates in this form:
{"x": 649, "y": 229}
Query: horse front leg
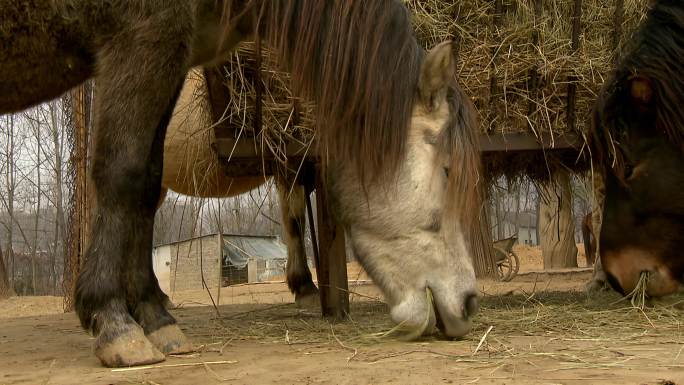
{"x": 151, "y": 309}
{"x": 140, "y": 76}
{"x": 293, "y": 211}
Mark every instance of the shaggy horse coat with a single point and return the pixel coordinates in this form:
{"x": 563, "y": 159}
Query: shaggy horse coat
{"x": 638, "y": 144}
{"x": 390, "y": 122}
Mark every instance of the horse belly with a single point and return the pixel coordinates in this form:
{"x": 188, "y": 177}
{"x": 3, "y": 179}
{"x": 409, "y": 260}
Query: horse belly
{"x": 42, "y": 54}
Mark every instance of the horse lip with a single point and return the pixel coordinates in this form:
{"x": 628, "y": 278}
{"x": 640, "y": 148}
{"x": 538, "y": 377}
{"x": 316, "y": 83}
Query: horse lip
{"x": 452, "y": 328}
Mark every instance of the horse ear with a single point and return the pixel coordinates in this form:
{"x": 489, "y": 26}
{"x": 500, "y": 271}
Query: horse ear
{"x": 436, "y": 73}
{"x": 641, "y": 92}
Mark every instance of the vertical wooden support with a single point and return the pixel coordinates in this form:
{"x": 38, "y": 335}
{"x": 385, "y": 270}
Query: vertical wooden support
{"x": 312, "y": 228}
{"x": 219, "y": 97}
{"x": 533, "y": 85}
{"x": 618, "y": 19}
{"x": 332, "y": 262}
{"x": 219, "y": 251}
{"x": 79, "y": 213}
{"x": 494, "y": 98}
{"x": 572, "y": 85}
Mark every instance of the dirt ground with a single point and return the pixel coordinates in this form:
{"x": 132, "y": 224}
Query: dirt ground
{"x": 539, "y": 328}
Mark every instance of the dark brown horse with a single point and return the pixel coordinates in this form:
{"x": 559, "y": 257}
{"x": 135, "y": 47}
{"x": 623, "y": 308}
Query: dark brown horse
{"x": 638, "y": 140}
{"x": 392, "y": 124}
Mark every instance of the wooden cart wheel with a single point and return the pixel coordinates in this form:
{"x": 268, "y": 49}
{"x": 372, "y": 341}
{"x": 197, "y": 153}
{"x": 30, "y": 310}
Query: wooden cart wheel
{"x": 515, "y": 264}
{"x": 504, "y": 268}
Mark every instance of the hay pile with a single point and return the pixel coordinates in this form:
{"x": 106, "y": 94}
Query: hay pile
{"x": 508, "y": 53}
{"x": 284, "y": 118}
{"x": 516, "y": 68}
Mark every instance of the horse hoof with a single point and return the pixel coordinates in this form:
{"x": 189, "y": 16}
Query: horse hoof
{"x": 170, "y": 339}
{"x": 130, "y": 348}
{"x": 168, "y": 305}
{"x": 309, "y": 300}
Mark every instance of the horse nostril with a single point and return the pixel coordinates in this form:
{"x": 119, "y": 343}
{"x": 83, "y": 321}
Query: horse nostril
{"x": 471, "y": 306}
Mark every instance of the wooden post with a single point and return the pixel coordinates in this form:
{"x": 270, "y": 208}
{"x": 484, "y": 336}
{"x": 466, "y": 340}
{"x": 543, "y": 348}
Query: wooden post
{"x": 533, "y": 85}
{"x": 618, "y": 19}
{"x": 332, "y": 263}
{"x": 572, "y": 85}
{"x": 79, "y": 217}
{"x": 494, "y": 99}
{"x": 219, "y": 97}
{"x": 219, "y": 241}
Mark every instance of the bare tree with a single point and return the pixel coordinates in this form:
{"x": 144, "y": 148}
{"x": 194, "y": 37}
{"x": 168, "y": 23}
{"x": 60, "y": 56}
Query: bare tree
{"x": 32, "y": 197}
{"x": 5, "y": 288}
{"x": 10, "y": 189}
{"x": 58, "y": 165}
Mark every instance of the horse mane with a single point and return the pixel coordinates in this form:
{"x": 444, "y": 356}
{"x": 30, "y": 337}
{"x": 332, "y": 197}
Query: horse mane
{"x": 654, "y": 51}
{"x": 359, "y": 62}
{"x": 460, "y": 140}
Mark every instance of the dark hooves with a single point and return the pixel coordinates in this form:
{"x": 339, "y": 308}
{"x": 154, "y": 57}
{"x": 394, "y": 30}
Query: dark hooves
{"x": 170, "y": 339}
{"x": 130, "y": 348}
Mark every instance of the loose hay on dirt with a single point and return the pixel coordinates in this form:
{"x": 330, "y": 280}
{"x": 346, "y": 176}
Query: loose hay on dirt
{"x": 567, "y": 328}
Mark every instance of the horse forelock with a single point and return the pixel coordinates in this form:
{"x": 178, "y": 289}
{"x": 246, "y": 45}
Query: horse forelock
{"x": 460, "y": 142}
{"x": 359, "y": 62}
{"x": 655, "y": 52}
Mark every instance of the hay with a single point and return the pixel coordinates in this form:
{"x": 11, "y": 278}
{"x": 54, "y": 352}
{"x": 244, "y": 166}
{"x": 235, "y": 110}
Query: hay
{"x": 509, "y": 53}
{"x": 403, "y": 333}
{"x": 285, "y": 118}
{"x": 516, "y": 69}
{"x": 637, "y": 296}
{"x": 569, "y": 328}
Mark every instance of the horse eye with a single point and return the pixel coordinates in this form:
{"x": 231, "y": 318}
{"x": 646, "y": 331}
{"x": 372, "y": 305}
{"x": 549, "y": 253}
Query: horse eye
{"x": 628, "y": 171}
{"x": 446, "y": 171}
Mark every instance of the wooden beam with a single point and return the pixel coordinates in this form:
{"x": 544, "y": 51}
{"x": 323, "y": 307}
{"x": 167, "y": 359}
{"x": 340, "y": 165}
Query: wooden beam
{"x": 231, "y": 150}
{"x": 332, "y": 263}
{"x": 219, "y": 97}
{"x": 528, "y": 142}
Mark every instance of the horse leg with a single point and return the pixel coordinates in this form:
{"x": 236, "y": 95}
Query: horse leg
{"x": 165, "y": 298}
{"x": 168, "y": 338}
{"x": 598, "y": 281}
{"x": 293, "y": 209}
{"x": 140, "y": 75}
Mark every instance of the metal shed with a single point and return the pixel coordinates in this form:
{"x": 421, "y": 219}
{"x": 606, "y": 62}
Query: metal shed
{"x": 218, "y": 260}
